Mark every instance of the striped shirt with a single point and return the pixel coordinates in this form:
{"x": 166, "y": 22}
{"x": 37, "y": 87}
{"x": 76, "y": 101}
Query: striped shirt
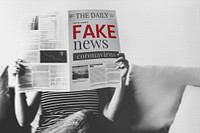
{"x": 58, "y": 105}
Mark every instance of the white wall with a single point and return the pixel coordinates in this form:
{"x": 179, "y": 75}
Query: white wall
{"x": 158, "y": 32}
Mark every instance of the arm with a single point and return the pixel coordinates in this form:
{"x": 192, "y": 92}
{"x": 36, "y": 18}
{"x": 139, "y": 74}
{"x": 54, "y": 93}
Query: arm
{"x": 112, "y": 107}
{"x": 25, "y": 109}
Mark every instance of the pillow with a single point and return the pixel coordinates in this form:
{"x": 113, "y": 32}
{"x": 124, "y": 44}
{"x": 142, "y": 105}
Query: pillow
{"x": 8, "y": 122}
{"x": 153, "y": 97}
{"x": 4, "y": 95}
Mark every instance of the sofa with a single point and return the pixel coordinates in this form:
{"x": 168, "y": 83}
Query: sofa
{"x": 8, "y": 122}
{"x": 152, "y": 99}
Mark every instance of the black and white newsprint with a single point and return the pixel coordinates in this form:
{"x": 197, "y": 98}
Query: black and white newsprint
{"x": 71, "y": 52}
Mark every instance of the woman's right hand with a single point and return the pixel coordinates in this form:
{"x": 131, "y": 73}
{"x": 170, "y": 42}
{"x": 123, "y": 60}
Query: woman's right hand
{"x": 19, "y": 68}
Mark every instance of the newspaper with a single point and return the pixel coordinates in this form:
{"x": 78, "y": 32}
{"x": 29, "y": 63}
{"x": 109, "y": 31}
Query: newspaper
{"x": 71, "y": 52}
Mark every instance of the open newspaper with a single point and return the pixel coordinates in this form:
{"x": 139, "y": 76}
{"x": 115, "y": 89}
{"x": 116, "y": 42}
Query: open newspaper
{"x": 71, "y": 52}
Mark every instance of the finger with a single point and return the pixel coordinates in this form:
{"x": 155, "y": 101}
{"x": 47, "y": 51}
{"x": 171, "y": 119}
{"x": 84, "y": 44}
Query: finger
{"x": 124, "y": 63}
{"x": 121, "y": 65}
{"x": 19, "y": 67}
{"x": 19, "y": 61}
{"x": 121, "y": 60}
{"x": 121, "y": 55}
{"x": 19, "y": 72}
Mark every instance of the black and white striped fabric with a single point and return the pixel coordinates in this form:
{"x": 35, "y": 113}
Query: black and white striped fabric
{"x": 58, "y": 105}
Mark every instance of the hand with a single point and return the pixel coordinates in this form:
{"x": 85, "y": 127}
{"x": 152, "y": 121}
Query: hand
{"x": 19, "y": 68}
{"x": 123, "y": 64}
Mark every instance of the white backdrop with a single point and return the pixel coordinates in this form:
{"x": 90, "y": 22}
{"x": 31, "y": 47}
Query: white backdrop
{"x": 152, "y": 32}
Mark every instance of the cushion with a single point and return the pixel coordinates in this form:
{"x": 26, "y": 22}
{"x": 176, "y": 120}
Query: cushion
{"x": 153, "y": 97}
{"x": 4, "y": 94}
{"x": 8, "y": 122}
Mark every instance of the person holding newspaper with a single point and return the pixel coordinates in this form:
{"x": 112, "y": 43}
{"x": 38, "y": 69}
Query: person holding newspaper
{"x": 74, "y": 112}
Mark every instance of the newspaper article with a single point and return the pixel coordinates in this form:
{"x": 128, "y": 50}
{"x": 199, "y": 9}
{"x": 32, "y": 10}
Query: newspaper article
{"x": 45, "y": 54}
{"x": 94, "y": 45}
{"x": 71, "y": 52}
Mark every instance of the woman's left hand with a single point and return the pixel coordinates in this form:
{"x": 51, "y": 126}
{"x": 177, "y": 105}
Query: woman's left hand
{"x": 123, "y": 64}
{"x": 111, "y": 108}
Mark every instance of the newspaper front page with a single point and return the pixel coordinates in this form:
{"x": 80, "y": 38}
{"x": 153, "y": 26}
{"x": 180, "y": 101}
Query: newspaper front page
{"x": 94, "y": 45}
{"x": 71, "y": 52}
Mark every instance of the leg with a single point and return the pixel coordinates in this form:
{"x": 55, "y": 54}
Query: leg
{"x": 75, "y": 123}
{"x": 102, "y": 125}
